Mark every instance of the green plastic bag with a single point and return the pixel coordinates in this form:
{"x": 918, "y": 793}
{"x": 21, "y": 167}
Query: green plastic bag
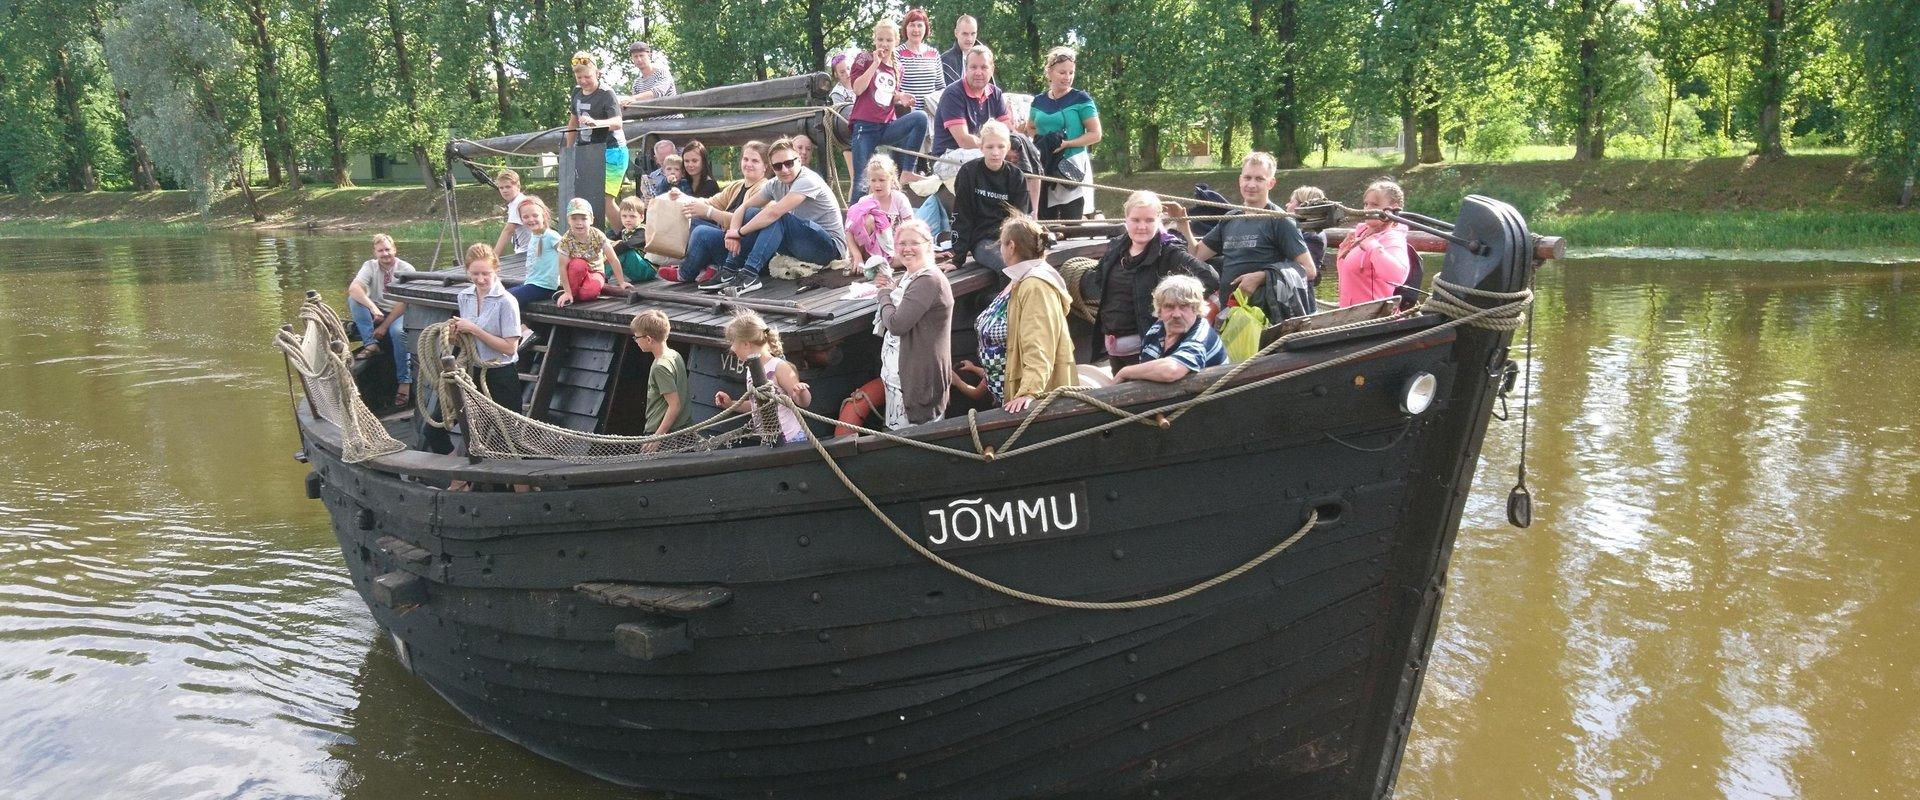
{"x": 1241, "y": 327}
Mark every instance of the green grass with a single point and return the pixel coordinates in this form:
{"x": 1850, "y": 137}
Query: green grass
{"x": 1737, "y": 230}
{"x": 22, "y": 229}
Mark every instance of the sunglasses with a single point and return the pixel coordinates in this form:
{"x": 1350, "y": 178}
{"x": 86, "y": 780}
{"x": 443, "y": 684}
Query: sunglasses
{"x": 785, "y": 165}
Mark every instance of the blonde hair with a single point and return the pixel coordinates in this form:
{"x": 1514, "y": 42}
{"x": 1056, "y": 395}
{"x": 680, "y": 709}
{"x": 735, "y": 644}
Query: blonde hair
{"x": 507, "y": 175}
{"x": 887, "y": 24}
{"x": 1396, "y": 196}
{"x": 651, "y": 322}
{"x": 1029, "y": 240}
{"x": 1138, "y": 199}
{"x": 886, "y": 165}
{"x": 676, "y": 161}
{"x": 1183, "y": 290}
{"x": 997, "y": 129}
{"x": 747, "y": 327}
{"x": 1059, "y": 54}
{"x": 582, "y": 58}
{"x": 1306, "y": 195}
{"x": 481, "y": 251}
{"x": 381, "y": 238}
{"x": 1260, "y": 157}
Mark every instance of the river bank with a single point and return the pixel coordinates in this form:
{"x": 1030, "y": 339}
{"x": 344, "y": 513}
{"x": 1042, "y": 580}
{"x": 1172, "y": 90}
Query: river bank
{"x": 1801, "y": 202}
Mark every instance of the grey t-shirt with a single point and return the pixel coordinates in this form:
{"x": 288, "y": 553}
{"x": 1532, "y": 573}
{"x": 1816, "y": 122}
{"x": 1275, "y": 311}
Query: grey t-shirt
{"x": 820, "y": 206}
{"x": 369, "y": 278}
{"x": 1247, "y": 243}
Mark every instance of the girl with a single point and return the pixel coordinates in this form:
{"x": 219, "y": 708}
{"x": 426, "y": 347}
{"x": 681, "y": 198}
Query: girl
{"x": 587, "y": 252}
{"x": 748, "y": 336}
{"x": 1373, "y": 259}
{"x": 492, "y": 319}
{"x": 543, "y": 256}
{"x": 871, "y": 222}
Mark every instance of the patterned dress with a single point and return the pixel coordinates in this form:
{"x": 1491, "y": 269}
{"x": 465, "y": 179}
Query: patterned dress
{"x": 991, "y": 326}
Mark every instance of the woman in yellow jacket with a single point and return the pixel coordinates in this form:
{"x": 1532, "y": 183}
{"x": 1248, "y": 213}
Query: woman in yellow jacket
{"x": 1039, "y": 351}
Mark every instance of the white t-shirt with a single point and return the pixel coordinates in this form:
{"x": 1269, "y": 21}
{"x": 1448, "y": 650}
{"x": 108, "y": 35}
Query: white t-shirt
{"x": 370, "y": 278}
{"x": 521, "y": 236}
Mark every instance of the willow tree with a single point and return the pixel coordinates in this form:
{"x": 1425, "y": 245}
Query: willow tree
{"x": 1886, "y": 100}
{"x": 180, "y": 74}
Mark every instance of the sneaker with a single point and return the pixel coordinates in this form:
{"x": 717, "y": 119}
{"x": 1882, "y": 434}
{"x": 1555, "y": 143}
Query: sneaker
{"x": 721, "y": 279}
{"x": 743, "y": 283}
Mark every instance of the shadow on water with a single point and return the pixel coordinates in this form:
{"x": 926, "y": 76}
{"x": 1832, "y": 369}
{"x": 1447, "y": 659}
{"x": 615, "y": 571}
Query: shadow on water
{"x": 1716, "y": 598}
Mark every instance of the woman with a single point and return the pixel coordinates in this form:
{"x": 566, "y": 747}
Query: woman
{"x": 1316, "y": 240}
{"x": 1069, "y": 114}
{"x": 1133, "y": 265}
{"x": 916, "y": 316}
{"x": 985, "y": 192}
{"x": 921, "y": 75}
{"x": 1373, "y": 259}
{"x": 1024, "y": 344}
{"x": 706, "y": 234}
{"x": 882, "y": 114}
{"x": 693, "y": 166}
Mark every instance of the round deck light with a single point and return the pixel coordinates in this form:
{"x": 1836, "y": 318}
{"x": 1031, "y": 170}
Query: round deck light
{"x": 1419, "y": 394}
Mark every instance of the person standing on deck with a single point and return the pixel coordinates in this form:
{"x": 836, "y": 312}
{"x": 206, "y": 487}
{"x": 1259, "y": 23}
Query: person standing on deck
{"x": 1251, "y": 244}
{"x": 795, "y": 213}
{"x": 953, "y": 62}
{"x": 650, "y": 81}
{"x": 593, "y": 109}
{"x": 921, "y": 75}
{"x": 1064, "y": 122}
{"x": 1374, "y": 260}
{"x": 382, "y": 319}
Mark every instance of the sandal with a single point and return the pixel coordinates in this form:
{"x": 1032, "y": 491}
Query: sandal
{"x": 367, "y": 352}
{"x": 403, "y": 397}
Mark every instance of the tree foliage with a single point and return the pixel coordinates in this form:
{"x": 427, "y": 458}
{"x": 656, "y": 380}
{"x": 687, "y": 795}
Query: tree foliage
{"x": 180, "y": 71}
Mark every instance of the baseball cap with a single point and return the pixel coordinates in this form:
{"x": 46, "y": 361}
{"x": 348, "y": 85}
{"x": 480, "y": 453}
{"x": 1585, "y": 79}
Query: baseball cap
{"x": 580, "y": 206}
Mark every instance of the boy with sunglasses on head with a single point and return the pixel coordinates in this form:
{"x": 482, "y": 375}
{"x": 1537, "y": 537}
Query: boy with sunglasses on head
{"x": 794, "y": 213}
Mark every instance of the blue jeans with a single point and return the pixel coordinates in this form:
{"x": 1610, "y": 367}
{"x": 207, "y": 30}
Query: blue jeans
{"x": 395, "y": 341}
{"x": 908, "y": 131}
{"x": 528, "y": 294}
{"x": 789, "y": 234}
{"x": 706, "y": 246}
{"x": 939, "y": 220}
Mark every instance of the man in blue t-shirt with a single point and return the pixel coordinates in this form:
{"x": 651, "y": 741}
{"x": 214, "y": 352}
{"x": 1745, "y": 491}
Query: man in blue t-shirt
{"x": 968, "y": 103}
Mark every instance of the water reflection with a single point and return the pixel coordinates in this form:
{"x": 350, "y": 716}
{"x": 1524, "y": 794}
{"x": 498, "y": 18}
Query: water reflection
{"x": 1715, "y": 600}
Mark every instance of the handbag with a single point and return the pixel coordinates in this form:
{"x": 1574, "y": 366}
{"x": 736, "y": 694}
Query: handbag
{"x": 667, "y": 228}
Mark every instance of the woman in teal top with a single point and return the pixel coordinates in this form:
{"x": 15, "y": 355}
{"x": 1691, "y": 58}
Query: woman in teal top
{"x": 1069, "y": 112}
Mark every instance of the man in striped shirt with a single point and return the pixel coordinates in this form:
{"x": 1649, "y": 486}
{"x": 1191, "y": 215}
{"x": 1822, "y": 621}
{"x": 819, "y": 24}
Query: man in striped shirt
{"x": 1181, "y": 342}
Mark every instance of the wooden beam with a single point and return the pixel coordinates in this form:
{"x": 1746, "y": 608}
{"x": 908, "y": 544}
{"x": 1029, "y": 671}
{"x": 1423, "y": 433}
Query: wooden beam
{"x": 792, "y": 90}
{"x": 740, "y": 126}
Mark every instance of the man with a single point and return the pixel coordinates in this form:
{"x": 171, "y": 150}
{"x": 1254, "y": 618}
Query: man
{"x": 968, "y": 104}
{"x": 650, "y": 82}
{"x": 379, "y": 318}
{"x": 966, "y": 34}
{"x": 1181, "y": 342}
{"x": 1250, "y": 243}
{"x": 661, "y": 149}
{"x": 794, "y": 213}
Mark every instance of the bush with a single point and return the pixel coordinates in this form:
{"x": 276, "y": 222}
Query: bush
{"x": 1439, "y": 195}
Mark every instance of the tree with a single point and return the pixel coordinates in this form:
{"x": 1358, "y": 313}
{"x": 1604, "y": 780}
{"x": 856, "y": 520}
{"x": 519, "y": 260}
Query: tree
{"x": 1886, "y": 100}
{"x": 1603, "y": 47}
{"x": 177, "y": 67}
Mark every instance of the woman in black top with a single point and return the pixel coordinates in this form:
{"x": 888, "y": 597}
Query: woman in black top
{"x": 985, "y": 193}
{"x": 1133, "y": 264}
{"x": 693, "y": 159}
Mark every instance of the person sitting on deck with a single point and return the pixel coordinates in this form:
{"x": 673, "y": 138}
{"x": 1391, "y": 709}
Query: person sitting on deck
{"x": 629, "y": 244}
{"x": 1181, "y": 342}
{"x": 706, "y": 234}
{"x": 1252, "y": 244}
{"x": 1024, "y": 343}
{"x": 882, "y": 114}
{"x": 795, "y": 213}
{"x": 872, "y": 222}
{"x": 515, "y": 232}
{"x": 667, "y": 385}
{"x": 916, "y": 318}
{"x": 1373, "y": 260}
{"x": 588, "y": 254}
{"x": 1135, "y": 263}
{"x": 841, "y": 65}
{"x": 542, "y": 278}
{"x": 661, "y": 149}
{"x": 673, "y": 175}
{"x": 380, "y": 319}
{"x": 1316, "y": 240}
{"x": 987, "y": 191}
{"x": 595, "y": 113}
{"x": 696, "y": 171}
{"x": 748, "y": 337}
{"x": 969, "y": 103}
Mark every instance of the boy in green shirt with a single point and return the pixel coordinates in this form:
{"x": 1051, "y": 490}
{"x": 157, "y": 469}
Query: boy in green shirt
{"x": 667, "y": 406}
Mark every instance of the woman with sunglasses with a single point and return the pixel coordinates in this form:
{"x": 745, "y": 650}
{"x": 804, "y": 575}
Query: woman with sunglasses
{"x": 794, "y": 213}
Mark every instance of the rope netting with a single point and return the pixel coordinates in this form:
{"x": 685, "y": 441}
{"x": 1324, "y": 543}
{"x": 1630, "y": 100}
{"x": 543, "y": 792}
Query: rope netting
{"x": 319, "y": 354}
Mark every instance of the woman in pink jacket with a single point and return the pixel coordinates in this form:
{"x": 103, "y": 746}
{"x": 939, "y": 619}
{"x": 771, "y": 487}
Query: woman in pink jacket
{"x": 1373, "y": 259}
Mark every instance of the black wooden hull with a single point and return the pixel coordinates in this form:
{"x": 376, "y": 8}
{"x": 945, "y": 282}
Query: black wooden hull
{"x": 847, "y": 666}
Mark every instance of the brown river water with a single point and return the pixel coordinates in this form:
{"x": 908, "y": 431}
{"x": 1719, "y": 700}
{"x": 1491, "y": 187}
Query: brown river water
{"x": 1719, "y": 596}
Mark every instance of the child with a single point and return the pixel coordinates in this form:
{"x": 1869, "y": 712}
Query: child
{"x": 588, "y": 254}
{"x": 749, "y": 336}
{"x": 667, "y": 406}
{"x": 516, "y": 231}
{"x": 985, "y": 193}
{"x": 489, "y": 315}
{"x": 870, "y": 222}
{"x": 631, "y": 239}
{"x": 543, "y": 257}
{"x": 673, "y": 175}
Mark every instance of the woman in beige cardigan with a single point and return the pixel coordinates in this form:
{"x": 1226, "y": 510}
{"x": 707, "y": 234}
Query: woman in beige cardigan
{"x": 1039, "y": 349}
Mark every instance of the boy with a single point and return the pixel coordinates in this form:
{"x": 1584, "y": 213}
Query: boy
{"x": 673, "y": 175}
{"x": 667, "y": 407}
{"x": 516, "y": 230}
{"x": 629, "y": 240}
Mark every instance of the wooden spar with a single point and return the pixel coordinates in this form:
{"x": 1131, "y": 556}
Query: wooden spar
{"x": 1545, "y": 248}
{"x": 732, "y": 128}
{"x": 792, "y": 90}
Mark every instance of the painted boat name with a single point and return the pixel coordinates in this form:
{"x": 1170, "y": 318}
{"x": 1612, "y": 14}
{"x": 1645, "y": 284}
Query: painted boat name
{"x": 1008, "y": 517}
